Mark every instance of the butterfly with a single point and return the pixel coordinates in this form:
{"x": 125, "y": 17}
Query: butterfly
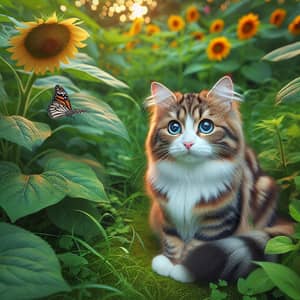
{"x": 61, "y": 105}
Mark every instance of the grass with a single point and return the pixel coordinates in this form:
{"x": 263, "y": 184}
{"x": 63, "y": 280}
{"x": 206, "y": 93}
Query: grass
{"x": 128, "y": 269}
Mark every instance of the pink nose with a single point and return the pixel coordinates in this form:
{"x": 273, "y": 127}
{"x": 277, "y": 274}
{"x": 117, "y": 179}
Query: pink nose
{"x": 188, "y": 145}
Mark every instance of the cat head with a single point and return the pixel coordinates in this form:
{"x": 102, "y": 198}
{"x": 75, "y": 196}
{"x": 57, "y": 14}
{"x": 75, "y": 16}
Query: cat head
{"x": 194, "y": 127}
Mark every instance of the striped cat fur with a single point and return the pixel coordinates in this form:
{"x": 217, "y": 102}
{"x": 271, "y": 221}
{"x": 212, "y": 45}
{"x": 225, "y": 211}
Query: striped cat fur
{"x": 213, "y": 207}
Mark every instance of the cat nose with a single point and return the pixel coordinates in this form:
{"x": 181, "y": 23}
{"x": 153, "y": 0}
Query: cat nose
{"x": 188, "y": 145}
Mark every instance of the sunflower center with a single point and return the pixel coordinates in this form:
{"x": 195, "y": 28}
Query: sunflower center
{"x": 277, "y": 19}
{"x": 248, "y": 27}
{"x": 218, "y": 48}
{"x": 47, "y": 40}
{"x": 175, "y": 23}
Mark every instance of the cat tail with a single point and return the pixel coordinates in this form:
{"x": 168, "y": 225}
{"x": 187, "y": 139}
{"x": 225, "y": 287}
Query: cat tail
{"x": 229, "y": 258}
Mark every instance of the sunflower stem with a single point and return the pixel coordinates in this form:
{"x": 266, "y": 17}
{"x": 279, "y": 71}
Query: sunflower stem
{"x": 18, "y": 80}
{"x": 26, "y": 94}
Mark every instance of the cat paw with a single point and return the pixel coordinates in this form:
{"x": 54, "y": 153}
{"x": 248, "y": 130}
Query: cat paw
{"x": 162, "y": 265}
{"x": 180, "y": 273}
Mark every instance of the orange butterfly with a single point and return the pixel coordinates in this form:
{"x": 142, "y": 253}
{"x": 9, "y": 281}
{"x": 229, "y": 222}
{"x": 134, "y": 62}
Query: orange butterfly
{"x": 61, "y": 105}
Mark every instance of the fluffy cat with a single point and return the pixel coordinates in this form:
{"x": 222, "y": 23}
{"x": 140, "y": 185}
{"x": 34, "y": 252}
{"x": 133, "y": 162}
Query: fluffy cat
{"x": 213, "y": 208}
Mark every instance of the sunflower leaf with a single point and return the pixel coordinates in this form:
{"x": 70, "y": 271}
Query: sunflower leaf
{"x": 21, "y": 195}
{"x": 29, "y": 266}
{"x": 23, "y": 132}
{"x": 98, "y": 118}
{"x": 92, "y": 73}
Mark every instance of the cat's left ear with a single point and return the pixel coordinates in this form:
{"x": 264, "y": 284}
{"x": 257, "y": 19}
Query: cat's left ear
{"x": 160, "y": 95}
{"x": 223, "y": 92}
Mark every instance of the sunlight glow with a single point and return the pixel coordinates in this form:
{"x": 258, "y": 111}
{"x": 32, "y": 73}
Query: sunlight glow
{"x": 138, "y": 11}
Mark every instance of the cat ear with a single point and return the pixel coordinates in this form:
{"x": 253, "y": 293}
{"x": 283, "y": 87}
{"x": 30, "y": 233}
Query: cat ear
{"x": 223, "y": 91}
{"x": 160, "y": 95}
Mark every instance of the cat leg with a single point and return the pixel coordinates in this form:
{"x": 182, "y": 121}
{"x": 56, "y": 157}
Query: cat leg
{"x": 165, "y": 263}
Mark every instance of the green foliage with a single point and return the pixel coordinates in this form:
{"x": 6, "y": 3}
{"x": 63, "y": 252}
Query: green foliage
{"x": 29, "y": 266}
{"x": 71, "y": 181}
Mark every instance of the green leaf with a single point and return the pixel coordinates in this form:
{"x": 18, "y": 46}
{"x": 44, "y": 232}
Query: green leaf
{"x": 195, "y": 68}
{"x": 257, "y": 282}
{"x": 81, "y": 179}
{"x": 257, "y": 72}
{"x": 23, "y": 132}
{"x": 29, "y": 267}
{"x": 283, "y": 277}
{"x": 227, "y": 66}
{"x": 21, "y": 195}
{"x": 291, "y": 89}
{"x": 67, "y": 215}
{"x": 99, "y": 117}
{"x": 279, "y": 245}
{"x": 51, "y": 81}
{"x": 92, "y": 73}
{"x": 294, "y": 207}
{"x": 283, "y": 53}
{"x": 72, "y": 260}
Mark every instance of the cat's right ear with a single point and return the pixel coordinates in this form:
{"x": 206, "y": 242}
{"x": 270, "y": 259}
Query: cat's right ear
{"x": 160, "y": 95}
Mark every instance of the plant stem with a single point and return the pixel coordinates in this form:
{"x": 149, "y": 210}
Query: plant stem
{"x": 281, "y": 149}
{"x": 38, "y": 156}
{"x": 26, "y": 94}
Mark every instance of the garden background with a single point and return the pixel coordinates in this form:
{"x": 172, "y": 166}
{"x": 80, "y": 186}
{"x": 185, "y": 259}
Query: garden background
{"x": 73, "y": 211}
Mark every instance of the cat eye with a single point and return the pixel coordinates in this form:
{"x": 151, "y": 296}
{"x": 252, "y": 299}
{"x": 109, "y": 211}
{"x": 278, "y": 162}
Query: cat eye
{"x": 206, "y": 126}
{"x": 174, "y": 127}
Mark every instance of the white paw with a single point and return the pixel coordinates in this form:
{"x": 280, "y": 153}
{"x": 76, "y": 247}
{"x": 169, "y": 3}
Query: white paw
{"x": 162, "y": 265}
{"x": 180, "y": 273}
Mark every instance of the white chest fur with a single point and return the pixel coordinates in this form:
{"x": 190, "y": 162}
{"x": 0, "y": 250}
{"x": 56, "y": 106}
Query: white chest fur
{"x": 185, "y": 185}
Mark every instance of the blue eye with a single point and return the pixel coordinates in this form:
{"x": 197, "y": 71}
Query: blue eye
{"x": 174, "y": 127}
{"x": 206, "y": 126}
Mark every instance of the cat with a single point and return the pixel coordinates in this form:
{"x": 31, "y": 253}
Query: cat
{"x": 212, "y": 206}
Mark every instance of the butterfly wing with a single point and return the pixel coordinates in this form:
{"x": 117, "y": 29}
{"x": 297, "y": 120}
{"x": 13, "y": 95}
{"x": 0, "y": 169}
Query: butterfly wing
{"x": 61, "y": 105}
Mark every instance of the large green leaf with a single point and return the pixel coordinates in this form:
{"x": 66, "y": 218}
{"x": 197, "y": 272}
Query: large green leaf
{"x": 257, "y": 282}
{"x": 257, "y": 72}
{"x": 99, "y": 117}
{"x": 23, "y": 132}
{"x": 285, "y": 52}
{"x": 21, "y": 195}
{"x": 294, "y": 207}
{"x": 29, "y": 267}
{"x": 289, "y": 90}
{"x": 51, "y": 81}
{"x": 68, "y": 215}
{"x": 81, "y": 179}
{"x": 284, "y": 278}
{"x": 92, "y": 73}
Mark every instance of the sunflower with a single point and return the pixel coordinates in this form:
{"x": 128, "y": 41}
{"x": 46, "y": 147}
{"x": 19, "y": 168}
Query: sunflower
{"x": 218, "y": 48}
{"x": 152, "y": 29}
{"x": 136, "y": 27}
{"x": 294, "y": 26}
{"x": 247, "y": 26}
{"x": 192, "y": 14}
{"x": 198, "y": 35}
{"x": 175, "y": 23}
{"x": 277, "y": 17}
{"x": 42, "y": 45}
{"x": 216, "y": 26}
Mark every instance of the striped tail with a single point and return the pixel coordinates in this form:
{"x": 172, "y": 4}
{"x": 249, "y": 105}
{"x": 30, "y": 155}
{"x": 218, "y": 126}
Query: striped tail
{"x": 229, "y": 258}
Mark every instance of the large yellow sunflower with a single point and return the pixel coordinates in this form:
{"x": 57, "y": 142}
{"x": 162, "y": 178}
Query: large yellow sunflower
{"x": 175, "y": 23}
{"x": 216, "y": 26}
{"x": 42, "y": 45}
{"x": 247, "y": 26}
{"x": 218, "y": 48}
{"x": 277, "y": 17}
{"x": 294, "y": 26}
{"x": 192, "y": 14}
